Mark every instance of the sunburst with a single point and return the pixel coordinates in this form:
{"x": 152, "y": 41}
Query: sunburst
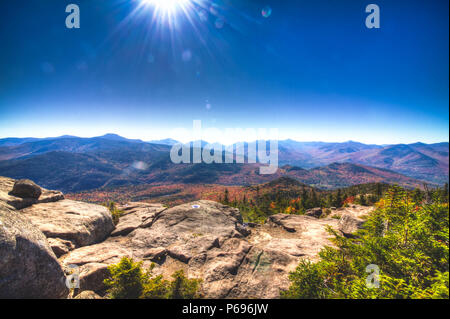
{"x": 167, "y": 7}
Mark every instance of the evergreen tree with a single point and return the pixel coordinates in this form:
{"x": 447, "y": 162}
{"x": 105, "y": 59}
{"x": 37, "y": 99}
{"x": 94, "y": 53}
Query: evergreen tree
{"x": 408, "y": 244}
{"x": 417, "y": 196}
{"x": 379, "y": 191}
{"x": 129, "y": 281}
{"x": 338, "y": 200}
{"x": 314, "y": 200}
{"x": 226, "y": 199}
{"x": 330, "y": 200}
{"x": 362, "y": 200}
{"x": 445, "y": 193}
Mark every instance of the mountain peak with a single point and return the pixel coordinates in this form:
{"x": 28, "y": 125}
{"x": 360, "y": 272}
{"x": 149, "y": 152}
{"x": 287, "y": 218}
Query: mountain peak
{"x": 113, "y": 136}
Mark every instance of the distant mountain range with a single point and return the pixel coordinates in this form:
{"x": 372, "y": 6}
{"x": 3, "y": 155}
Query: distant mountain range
{"x": 428, "y": 162}
{"x": 167, "y": 141}
{"x": 74, "y": 164}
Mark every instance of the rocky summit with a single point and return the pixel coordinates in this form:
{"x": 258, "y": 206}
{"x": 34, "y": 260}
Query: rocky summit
{"x": 46, "y": 238}
{"x": 28, "y": 267}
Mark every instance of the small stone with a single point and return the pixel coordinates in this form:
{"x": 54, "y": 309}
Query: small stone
{"x": 87, "y": 294}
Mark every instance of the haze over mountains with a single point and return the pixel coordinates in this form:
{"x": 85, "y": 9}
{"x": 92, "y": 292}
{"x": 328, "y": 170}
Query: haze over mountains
{"x": 74, "y": 164}
{"x": 427, "y": 162}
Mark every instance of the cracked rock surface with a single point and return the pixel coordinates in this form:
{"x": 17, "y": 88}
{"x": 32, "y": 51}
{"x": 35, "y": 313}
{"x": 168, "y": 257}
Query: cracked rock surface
{"x": 209, "y": 241}
{"x": 206, "y": 239}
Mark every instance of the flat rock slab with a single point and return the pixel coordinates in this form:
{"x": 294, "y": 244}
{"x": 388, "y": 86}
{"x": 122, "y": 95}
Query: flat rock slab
{"x": 80, "y": 223}
{"x": 312, "y": 231}
{"x": 139, "y": 207}
{"x": 209, "y": 241}
{"x": 136, "y": 215}
{"x": 107, "y": 252}
{"x": 262, "y": 273}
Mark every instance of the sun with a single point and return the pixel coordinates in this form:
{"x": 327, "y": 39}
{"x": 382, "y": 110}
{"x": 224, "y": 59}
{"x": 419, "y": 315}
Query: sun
{"x": 166, "y": 6}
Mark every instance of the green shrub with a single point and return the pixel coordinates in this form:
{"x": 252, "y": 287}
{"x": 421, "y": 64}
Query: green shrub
{"x": 183, "y": 288}
{"x": 406, "y": 240}
{"x": 306, "y": 282}
{"x": 129, "y": 281}
{"x": 115, "y": 213}
{"x": 156, "y": 288}
{"x": 179, "y": 288}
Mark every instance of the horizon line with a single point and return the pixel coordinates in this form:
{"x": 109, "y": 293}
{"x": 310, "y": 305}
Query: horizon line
{"x": 152, "y": 141}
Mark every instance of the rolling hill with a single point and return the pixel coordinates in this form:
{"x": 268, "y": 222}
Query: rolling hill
{"x": 428, "y": 162}
{"x": 73, "y": 164}
{"x": 73, "y": 172}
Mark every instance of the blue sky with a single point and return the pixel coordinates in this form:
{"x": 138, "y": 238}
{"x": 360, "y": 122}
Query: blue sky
{"x": 311, "y": 69}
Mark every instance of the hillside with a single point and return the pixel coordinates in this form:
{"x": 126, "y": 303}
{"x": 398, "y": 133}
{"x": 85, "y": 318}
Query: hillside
{"x": 427, "y": 162}
{"x": 74, "y": 164}
{"x": 74, "y": 172}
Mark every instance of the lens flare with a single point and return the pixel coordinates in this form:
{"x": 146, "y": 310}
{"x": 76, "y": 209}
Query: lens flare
{"x": 166, "y": 6}
{"x": 163, "y": 25}
{"x": 266, "y": 12}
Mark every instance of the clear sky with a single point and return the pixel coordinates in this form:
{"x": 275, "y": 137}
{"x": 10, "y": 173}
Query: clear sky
{"x": 311, "y": 69}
